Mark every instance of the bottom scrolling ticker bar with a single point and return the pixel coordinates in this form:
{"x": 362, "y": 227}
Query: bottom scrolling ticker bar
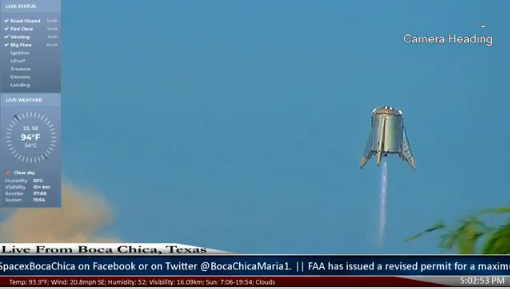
{"x": 252, "y": 281}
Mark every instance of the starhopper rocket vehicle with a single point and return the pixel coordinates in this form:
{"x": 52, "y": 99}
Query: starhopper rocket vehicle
{"x": 388, "y": 136}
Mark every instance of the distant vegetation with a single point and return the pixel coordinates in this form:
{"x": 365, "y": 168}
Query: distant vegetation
{"x": 472, "y": 235}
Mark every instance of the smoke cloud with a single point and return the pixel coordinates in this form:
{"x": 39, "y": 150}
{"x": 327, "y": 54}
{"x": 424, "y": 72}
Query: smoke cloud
{"x": 83, "y": 217}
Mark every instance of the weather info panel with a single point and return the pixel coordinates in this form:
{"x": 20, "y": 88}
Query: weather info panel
{"x": 30, "y": 103}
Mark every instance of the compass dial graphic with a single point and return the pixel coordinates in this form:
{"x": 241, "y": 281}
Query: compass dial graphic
{"x": 31, "y": 137}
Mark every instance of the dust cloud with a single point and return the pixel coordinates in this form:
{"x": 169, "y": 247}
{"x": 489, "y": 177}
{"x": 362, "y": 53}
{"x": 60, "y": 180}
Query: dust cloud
{"x": 83, "y": 217}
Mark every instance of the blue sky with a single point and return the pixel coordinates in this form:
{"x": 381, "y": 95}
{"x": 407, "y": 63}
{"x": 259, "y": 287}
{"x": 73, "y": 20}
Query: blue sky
{"x": 239, "y": 125}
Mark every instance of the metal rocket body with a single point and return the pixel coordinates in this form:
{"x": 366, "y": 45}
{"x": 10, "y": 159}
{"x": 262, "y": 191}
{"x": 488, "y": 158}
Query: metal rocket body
{"x": 388, "y": 136}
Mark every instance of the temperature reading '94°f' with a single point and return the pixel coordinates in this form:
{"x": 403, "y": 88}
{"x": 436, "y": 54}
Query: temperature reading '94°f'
{"x": 31, "y": 137}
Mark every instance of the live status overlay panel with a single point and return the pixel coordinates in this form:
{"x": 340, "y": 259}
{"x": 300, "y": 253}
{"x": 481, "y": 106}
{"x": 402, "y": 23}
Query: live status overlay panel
{"x": 30, "y": 109}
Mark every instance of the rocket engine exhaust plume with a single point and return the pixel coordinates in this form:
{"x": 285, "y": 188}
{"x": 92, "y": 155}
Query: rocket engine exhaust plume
{"x": 382, "y": 208}
{"x": 81, "y": 219}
